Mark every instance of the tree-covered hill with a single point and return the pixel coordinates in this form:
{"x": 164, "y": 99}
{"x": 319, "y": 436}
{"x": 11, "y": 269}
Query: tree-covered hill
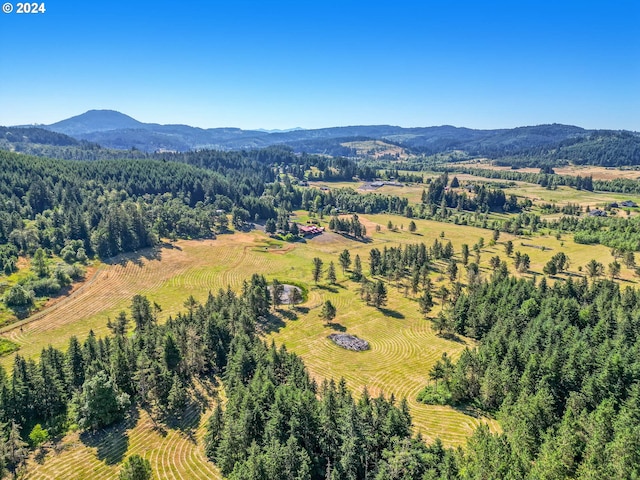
{"x": 528, "y": 145}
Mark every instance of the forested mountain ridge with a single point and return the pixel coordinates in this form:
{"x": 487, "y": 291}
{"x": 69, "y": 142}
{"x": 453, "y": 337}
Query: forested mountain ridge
{"x": 554, "y": 143}
{"x": 47, "y": 143}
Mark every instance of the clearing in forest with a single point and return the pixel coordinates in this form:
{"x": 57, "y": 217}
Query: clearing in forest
{"x": 403, "y": 345}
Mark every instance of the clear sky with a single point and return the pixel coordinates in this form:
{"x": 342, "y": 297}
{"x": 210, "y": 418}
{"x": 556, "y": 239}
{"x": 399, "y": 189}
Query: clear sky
{"x": 280, "y": 64}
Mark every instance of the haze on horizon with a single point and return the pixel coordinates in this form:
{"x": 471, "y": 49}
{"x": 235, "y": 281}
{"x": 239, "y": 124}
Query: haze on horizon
{"x": 282, "y": 65}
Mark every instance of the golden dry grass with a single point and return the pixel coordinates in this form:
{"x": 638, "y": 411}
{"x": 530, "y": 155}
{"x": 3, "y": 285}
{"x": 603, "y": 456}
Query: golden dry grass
{"x": 403, "y": 345}
{"x": 174, "y": 453}
{"x": 376, "y": 149}
{"x": 598, "y": 173}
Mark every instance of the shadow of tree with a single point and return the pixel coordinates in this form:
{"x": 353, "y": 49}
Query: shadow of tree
{"x": 111, "y": 443}
{"x": 188, "y": 419}
{"x": 329, "y": 288}
{"x": 387, "y": 312}
{"x": 40, "y": 455}
{"x": 337, "y": 326}
{"x": 471, "y": 410}
{"x": 288, "y": 314}
{"x": 272, "y": 324}
{"x": 171, "y": 246}
{"x": 153, "y": 253}
{"x": 452, "y": 337}
{"x": 355, "y": 239}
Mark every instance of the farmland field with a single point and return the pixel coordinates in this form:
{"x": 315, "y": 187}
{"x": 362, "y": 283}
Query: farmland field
{"x": 174, "y": 452}
{"x": 598, "y": 173}
{"x": 562, "y": 195}
{"x": 403, "y": 345}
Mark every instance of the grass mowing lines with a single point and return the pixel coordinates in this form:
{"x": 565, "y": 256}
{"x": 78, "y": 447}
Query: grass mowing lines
{"x": 174, "y": 453}
{"x": 403, "y": 348}
{"x": 88, "y": 308}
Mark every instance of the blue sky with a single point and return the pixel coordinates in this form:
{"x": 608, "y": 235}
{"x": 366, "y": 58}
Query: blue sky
{"x": 280, "y": 64}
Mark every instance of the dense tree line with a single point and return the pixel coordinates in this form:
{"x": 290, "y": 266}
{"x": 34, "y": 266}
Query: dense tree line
{"x": 560, "y": 365}
{"x": 351, "y": 226}
{"x": 616, "y": 232}
{"x": 484, "y": 198}
{"x": 605, "y": 148}
{"x": 408, "y": 259}
{"x": 116, "y": 206}
{"x": 276, "y": 423}
{"x": 94, "y": 382}
{"x": 348, "y": 200}
{"x": 76, "y": 210}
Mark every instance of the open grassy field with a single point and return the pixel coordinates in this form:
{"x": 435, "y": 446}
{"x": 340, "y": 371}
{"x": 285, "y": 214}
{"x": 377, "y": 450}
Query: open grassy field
{"x": 376, "y": 149}
{"x": 562, "y": 195}
{"x": 403, "y": 345}
{"x": 174, "y": 452}
{"x": 598, "y": 173}
{"x": 413, "y": 191}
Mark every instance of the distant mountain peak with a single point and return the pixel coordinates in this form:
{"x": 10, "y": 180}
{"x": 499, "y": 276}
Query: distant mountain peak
{"x": 95, "y": 121}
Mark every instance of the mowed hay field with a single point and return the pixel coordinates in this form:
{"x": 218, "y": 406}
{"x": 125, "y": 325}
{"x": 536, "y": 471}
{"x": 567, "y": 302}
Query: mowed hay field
{"x": 403, "y": 345}
{"x": 598, "y": 173}
{"x": 174, "y": 453}
{"x": 561, "y": 196}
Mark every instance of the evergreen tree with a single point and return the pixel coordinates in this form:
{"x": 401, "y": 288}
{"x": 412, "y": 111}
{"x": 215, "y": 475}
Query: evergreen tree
{"x": 614, "y": 269}
{"x": 295, "y": 296}
{"x": 75, "y": 364}
{"x": 331, "y": 274}
{"x": 277, "y": 292}
{"x": 215, "y": 427}
{"x": 119, "y": 326}
{"x": 270, "y": 226}
{"x": 328, "y": 312}
{"x": 357, "y": 269}
{"x": 345, "y": 260}
{"x": 100, "y": 403}
{"x": 508, "y": 247}
{"x": 177, "y": 398}
{"x": 452, "y": 270}
{"x": 172, "y": 355}
{"x": 594, "y": 269}
{"x": 317, "y": 269}
{"x": 136, "y": 468}
{"x": 629, "y": 259}
{"x": 379, "y": 294}
{"x": 465, "y": 254}
{"x": 39, "y": 263}
{"x": 141, "y": 312}
{"x": 15, "y": 449}
{"x": 426, "y": 303}
{"x": 550, "y": 268}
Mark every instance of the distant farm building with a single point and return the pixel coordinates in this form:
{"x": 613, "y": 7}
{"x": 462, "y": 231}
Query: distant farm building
{"x": 598, "y": 213}
{"x": 309, "y": 230}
